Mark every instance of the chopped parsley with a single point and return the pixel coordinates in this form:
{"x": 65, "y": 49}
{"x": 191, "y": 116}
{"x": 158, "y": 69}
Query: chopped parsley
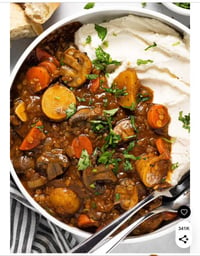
{"x": 92, "y": 76}
{"x": 132, "y": 118}
{"x": 185, "y": 120}
{"x": 142, "y": 97}
{"x": 89, "y": 5}
{"x": 143, "y": 4}
{"x": 150, "y": 46}
{"x": 176, "y": 43}
{"x": 111, "y": 112}
{"x": 175, "y": 165}
{"x": 88, "y": 40}
{"x": 117, "y": 196}
{"x": 141, "y": 62}
{"x": 84, "y": 161}
{"x": 71, "y": 110}
{"x": 101, "y": 31}
{"x": 116, "y": 91}
{"x": 103, "y": 59}
{"x": 81, "y": 99}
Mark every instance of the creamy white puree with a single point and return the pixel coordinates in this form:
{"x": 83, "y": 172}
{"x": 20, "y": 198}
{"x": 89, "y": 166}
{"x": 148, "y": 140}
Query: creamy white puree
{"x": 168, "y": 75}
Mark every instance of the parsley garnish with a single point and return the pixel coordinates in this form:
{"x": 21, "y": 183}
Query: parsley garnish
{"x": 132, "y": 119}
{"x": 92, "y": 76}
{"x": 117, "y": 197}
{"x": 142, "y": 97}
{"x": 111, "y": 112}
{"x": 143, "y": 4}
{"x": 116, "y": 91}
{"x": 150, "y": 46}
{"x": 140, "y": 61}
{"x": 175, "y": 165}
{"x": 88, "y": 40}
{"x": 185, "y": 120}
{"x": 71, "y": 110}
{"x": 89, "y": 5}
{"x": 103, "y": 59}
{"x": 101, "y": 31}
{"x": 84, "y": 161}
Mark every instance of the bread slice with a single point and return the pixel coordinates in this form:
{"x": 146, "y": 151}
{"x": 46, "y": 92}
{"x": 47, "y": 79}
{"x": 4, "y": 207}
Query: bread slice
{"x": 40, "y": 12}
{"x": 20, "y": 25}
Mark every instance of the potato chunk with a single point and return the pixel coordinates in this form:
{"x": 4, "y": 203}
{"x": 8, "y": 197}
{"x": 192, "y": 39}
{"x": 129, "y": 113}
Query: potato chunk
{"x": 152, "y": 169}
{"x": 64, "y": 201}
{"x": 128, "y": 81}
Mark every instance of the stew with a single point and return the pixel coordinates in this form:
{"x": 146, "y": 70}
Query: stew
{"x": 87, "y": 152}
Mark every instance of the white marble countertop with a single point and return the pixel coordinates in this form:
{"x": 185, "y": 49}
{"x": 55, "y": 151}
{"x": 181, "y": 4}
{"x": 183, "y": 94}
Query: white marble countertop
{"x": 165, "y": 244}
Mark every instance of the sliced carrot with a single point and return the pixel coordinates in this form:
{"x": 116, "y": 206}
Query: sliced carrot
{"x": 158, "y": 116}
{"x": 37, "y": 78}
{"x": 163, "y": 148}
{"x": 81, "y": 142}
{"x": 94, "y": 85}
{"x": 50, "y": 66}
{"x": 56, "y": 100}
{"x": 43, "y": 55}
{"x": 34, "y": 137}
{"x": 84, "y": 221}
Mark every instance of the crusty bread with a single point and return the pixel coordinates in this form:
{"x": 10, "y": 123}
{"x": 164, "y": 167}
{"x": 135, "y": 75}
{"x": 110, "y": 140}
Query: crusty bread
{"x": 40, "y": 12}
{"x": 20, "y": 25}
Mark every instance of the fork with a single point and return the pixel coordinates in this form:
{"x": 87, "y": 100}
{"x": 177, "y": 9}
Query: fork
{"x": 100, "y": 237}
{"x": 167, "y": 206}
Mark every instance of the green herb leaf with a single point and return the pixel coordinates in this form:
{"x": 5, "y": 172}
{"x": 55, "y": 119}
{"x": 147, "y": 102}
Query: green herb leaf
{"x": 151, "y": 46}
{"x": 88, "y": 40}
{"x": 103, "y": 59}
{"x": 40, "y": 127}
{"x": 130, "y": 156}
{"x": 185, "y": 120}
{"x": 101, "y": 31}
{"x": 89, "y": 5}
{"x": 141, "y": 62}
{"x": 175, "y": 165}
{"x": 71, "y": 110}
{"x": 132, "y": 119}
{"x": 111, "y": 112}
{"x": 127, "y": 165}
{"x": 116, "y": 91}
{"x": 92, "y": 76}
{"x": 117, "y": 196}
{"x": 105, "y": 157}
{"x": 172, "y": 140}
{"x": 176, "y": 43}
{"x": 81, "y": 99}
{"x": 143, "y": 4}
{"x": 84, "y": 161}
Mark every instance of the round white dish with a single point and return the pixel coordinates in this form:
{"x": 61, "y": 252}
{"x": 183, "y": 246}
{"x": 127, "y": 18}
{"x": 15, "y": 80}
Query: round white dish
{"x": 93, "y": 16}
{"x": 175, "y": 8}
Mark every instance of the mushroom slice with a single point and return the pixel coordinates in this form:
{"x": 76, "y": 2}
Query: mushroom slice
{"x": 98, "y": 174}
{"x": 85, "y": 114}
{"x": 126, "y": 193}
{"x": 124, "y": 129}
{"x": 152, "y": 169}
{"x": 75, "y": 67}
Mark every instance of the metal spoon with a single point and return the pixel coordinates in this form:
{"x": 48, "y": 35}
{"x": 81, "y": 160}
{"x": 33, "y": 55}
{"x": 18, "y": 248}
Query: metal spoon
{"x": 98, "y": 238}
{"x": 167, "y": 206}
